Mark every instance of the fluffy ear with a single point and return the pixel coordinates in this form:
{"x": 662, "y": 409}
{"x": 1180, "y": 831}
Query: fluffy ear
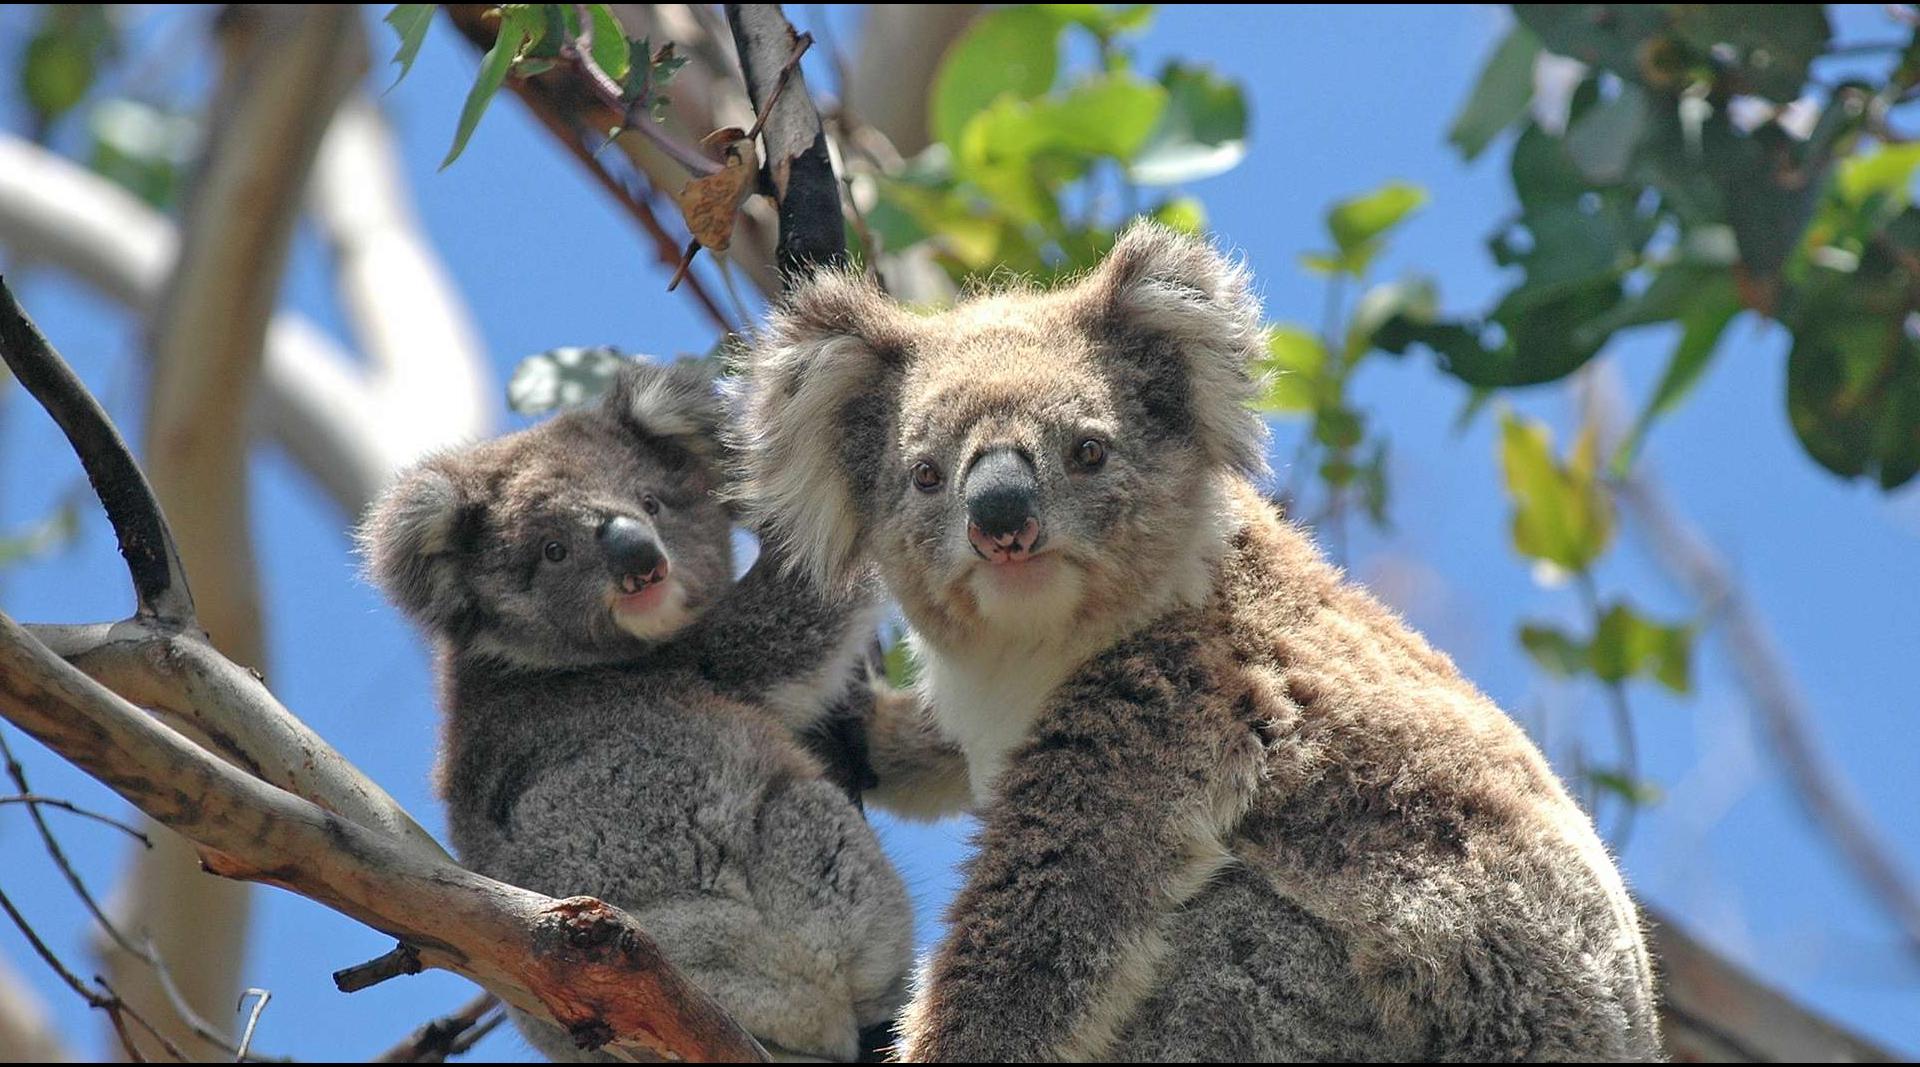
{"x": 411, "y": 539}
{"x": 1159, "y": 283}
{"x": 674, "y": 403}
{"x": 817, "y": 412}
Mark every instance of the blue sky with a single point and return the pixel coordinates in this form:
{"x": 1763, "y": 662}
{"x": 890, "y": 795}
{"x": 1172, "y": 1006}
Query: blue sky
{"x": 1344, "y": 99}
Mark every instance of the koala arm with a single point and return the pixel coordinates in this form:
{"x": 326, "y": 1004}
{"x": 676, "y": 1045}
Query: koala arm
{"x": 919, "y": 773}
{"x": 779, "y": 640}
{"x": 1110, "y": 816}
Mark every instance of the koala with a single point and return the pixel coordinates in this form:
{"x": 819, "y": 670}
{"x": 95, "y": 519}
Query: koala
{"x": 1232, "y": 808}
{"x": 621, "y": 716}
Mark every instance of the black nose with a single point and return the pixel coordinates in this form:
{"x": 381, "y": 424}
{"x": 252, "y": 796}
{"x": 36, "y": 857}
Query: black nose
{"x": 631, "y": 550}
{"x": 1000, "y": 493}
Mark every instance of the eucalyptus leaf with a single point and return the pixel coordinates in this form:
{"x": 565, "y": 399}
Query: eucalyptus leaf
{"x": 562, "y": 377}
{"x": 1011, "y": 52}
{"x": 1501, "y": 95}
{"x": 410, "y": 22}
{"x": 1202, "y": 132}
{"x": 520, "y": 26}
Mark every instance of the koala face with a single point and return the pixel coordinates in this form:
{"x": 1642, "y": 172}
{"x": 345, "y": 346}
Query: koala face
{"x": 575, "y": 541}
{"x": 1022, "y": 462}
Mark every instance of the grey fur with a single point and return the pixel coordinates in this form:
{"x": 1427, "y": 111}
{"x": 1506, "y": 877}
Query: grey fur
{"x": 1232, "y": 807}
{"x": 655, "y": 767}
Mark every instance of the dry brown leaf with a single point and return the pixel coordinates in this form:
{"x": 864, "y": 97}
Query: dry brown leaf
{"x": 711, "y": 204}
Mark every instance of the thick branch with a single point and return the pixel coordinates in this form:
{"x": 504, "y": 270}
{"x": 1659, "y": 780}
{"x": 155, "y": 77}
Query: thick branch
{"x": 158, "y": 579}
{"x": 586, "y": 966}
{"x": 798, "y": 167}
{"x": 1711, "y": 1012}
{"x": 336, "y": 419}
{"x": 430, "y": 382}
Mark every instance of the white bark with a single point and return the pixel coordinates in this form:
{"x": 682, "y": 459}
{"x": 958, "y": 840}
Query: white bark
{"x": 287, "y": 70}
{"x": 26, "y": 1036}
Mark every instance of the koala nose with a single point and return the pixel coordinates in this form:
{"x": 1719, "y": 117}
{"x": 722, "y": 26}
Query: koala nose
{"x": 1000, "y": 494}
{"x": 633, "y": 555}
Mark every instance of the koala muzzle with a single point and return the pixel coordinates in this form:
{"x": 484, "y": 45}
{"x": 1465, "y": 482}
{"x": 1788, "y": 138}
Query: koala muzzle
{"x": 1003, "y": 524}
{"x": 634, "y": 557}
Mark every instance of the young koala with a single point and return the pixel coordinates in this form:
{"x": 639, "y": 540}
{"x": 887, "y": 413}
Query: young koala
{"x": 1232, "y": 807}
{"x": 621, "y": 716}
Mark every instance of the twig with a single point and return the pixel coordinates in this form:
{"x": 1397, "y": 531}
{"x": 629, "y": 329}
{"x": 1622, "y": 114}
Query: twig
{"x": 1776, "y": 702}
{"x": 574, "y": 113}
{"x": 146, "y": 953}
{"x": 35, "y": 802}
{"x": 1759, "y": 668}
{"x": 260, "y": 998}
{"x": 104, "y": 999}
{"x": 447, "y": 1035}
{"x": 633, "y": 113}
{"x": 402, "y": 959}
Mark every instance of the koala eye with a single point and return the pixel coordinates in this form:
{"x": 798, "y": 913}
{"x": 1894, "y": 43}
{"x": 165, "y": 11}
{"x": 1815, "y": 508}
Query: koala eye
{"x": 650, "y": 504}
{"x": 926, "y": 476}
{"x": 1090, "y": 454}
{"x": 555, "y": 551}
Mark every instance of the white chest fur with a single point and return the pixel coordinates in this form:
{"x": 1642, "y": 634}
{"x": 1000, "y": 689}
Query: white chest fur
{"x": 986, "y": 700}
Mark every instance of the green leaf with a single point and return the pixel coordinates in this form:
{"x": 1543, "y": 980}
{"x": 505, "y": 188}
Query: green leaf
{"x": 1501, "y": 95}
{"x": 141, "y": 148}
{"x": 1294, "y": 362}
{"x": 55, "y": 73}
{"x": 1627, "y": 645}
{"x": 1018, "y": 151}
{"x": 1182, "y": 213}
{"x": 520, "y": 26}
{"x": 611, "y": 52}
{"x": 1560, "y": 513}
{"x": 1767, "y": 49}
{"x": 1634, "y": 791}
{"x": 410, "y": 22}
{"x": 1714, "y": 305}
{"x": 562, "y": 377}
{"x": 1105, "y": 21}
{"x": 1011, "y": 52}
{"x": 1381, "y": 304}
{"x": 1373, "y": 486}
{"x": 1886, "y": 171}
{"x": 1602, "y": 144}
{"x": 1358, "y": 224}
{"x": 1203, "y": 131}
{"x": 1339, "y": 428}
{"x": 1554, "y": 650}
{"x": 902, "y": 669}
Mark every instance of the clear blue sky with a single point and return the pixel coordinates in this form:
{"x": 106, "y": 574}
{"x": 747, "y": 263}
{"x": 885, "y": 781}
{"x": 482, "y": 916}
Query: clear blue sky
{"x": 1344, "y": 99}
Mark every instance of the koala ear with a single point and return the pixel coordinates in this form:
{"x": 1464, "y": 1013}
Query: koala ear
{"x": 675, "y": 403}
{"x": 411, "y": 540}
{"x": 1161, "y": 284}
{"x": 818, "y": 405}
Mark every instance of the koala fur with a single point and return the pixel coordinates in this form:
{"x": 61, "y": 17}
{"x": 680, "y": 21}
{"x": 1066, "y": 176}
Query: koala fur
{"x": 1232, "y": 807}
{"x": 641, "y": 746}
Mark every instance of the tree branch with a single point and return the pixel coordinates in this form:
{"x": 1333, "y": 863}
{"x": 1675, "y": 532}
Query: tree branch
{"x": 565, "y": 102}
{"x": 797, "y": 166}
{"x": 159, "y": 581}
{"x": 334, "y": 418}
{"x": 579, "y": 963}
{"x": 448, "y": 1035}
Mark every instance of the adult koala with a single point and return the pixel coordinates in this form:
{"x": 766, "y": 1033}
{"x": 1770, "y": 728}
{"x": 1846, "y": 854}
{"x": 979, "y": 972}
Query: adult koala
{"x": 1232, "y": 807}
{"x": 621, "y": 717}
